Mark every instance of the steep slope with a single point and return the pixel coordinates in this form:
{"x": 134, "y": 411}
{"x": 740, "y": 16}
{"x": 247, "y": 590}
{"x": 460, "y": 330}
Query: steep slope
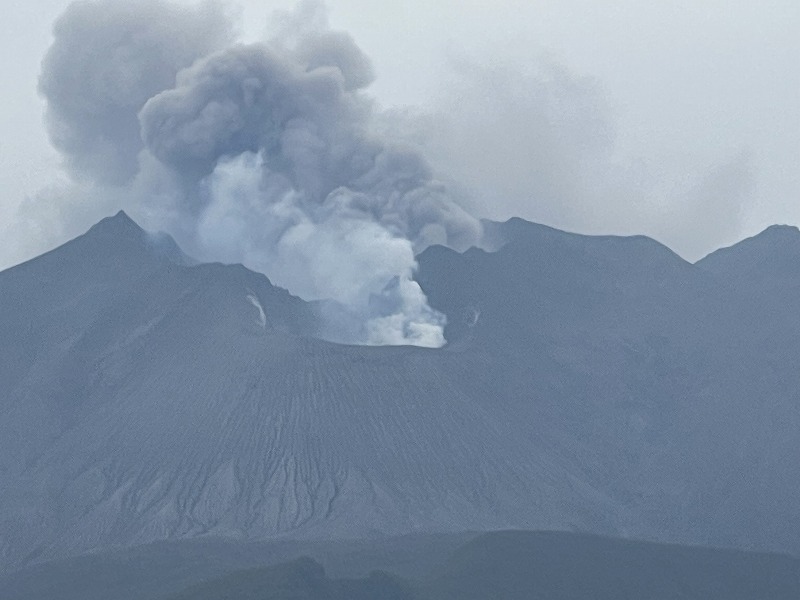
{"x": 69, "y": 286}
{"x": 67, "y": 313}
{"x": 766, "y": 259}
{"x": 592, "y": 383}
{"x": 675, "y": 392}
{"x": 765, "y": 268}
{"x": 543, "y": 282}
{"x": 170, "y": 401}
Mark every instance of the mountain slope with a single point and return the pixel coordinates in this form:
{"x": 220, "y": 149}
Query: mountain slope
{"x": 772, "y": 255}
{"x": 593, "y": 383}
{"x": 675, "y": 391}
{"x": 175, "y": 401}
{"x": 765, "y": 268}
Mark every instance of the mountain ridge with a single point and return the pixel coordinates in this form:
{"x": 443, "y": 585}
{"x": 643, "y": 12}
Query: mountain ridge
{"x": 590, "y": 383}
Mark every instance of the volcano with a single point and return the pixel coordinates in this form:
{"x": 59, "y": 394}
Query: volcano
{"x": 590, "y": 383}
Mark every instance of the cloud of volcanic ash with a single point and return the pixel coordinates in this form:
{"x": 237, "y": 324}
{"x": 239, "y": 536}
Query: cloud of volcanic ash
{"x": 527, "y": 136}
{"x": 266, "y": 154}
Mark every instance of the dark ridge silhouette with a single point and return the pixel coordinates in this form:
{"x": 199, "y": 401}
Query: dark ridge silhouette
{"x": 517, "y": 565}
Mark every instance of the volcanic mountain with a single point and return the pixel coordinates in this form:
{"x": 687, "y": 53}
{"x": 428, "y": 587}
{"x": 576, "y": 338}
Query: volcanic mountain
{"x": 599, "y": 384}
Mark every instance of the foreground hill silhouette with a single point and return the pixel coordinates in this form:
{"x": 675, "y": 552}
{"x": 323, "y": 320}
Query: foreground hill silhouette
{"x": 302, "y": 579}
{"x": 509, "y": 565}
{"x": 518, "y": 565}
{"x": 162, "y": 569}
{"x": 599, "y": 384}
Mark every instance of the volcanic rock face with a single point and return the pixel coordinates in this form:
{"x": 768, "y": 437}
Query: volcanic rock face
{"x": 600, "y": 384}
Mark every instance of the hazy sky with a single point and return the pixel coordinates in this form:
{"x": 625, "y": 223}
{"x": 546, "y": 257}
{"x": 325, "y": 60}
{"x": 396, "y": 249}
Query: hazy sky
{"x": 679, "y": 120}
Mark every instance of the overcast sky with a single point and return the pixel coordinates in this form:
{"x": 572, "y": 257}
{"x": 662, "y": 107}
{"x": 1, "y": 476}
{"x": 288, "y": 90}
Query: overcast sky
{"x": 679, "y": 120}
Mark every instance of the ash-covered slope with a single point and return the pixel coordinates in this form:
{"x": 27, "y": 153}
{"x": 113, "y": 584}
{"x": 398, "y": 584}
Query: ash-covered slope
{"x": 158, "y": 400}
{"x": 593, "y": 383}
{"x": 676, "y": 392}
{"x": 765, "y": 268}
{"x": 771, "y": 256}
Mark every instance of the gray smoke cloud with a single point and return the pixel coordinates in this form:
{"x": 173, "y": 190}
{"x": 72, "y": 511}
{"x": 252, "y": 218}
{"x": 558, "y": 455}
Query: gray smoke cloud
{"x": 535, "y": 140}
{"x": 107, "y": 60}
{"x": 266, "y": 154}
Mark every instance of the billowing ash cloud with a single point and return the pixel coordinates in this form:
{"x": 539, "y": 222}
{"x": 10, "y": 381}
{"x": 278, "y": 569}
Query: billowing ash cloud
{"x": 530, "y": 138}
{"x": 265, "y": 154}
{"x": 107, "y": 60}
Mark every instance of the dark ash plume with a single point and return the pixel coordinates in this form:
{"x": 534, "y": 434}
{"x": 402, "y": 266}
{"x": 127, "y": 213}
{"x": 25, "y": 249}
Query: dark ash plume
{"x": 266, "y": 154}
{"x": 107, "y": 60}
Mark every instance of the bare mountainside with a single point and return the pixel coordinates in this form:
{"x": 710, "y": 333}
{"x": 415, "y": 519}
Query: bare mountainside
{"x": 591, "y": 383}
